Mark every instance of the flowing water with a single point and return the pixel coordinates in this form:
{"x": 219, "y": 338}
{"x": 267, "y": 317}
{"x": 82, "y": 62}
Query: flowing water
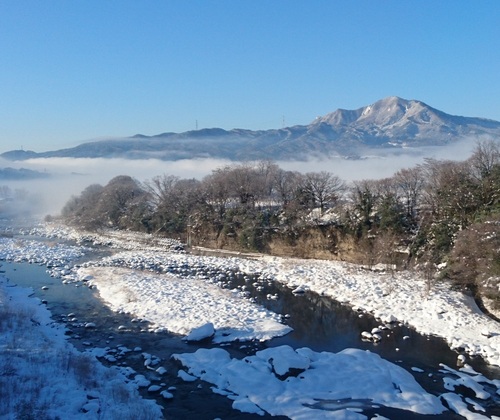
{"x": 318, "y": 323}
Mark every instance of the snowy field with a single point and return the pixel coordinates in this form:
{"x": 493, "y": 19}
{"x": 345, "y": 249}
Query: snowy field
{"x": 180, "y": 293}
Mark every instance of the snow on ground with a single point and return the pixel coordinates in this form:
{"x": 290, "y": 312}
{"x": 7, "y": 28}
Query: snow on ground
{"x": 180, "y": 305}
{"x": 179, "y": 292}
{"x": 43, "y": 376}
{"x": 303, "y": 384}
{"x": 36, "y": 252}
{"x": 404, "y": 296}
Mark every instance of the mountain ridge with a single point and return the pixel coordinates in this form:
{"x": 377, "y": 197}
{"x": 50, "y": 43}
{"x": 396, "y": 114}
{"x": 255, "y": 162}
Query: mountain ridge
{"x": 388, "y": 124}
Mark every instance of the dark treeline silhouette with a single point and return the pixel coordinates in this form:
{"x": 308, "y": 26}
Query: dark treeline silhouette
{"x": 441, "y": 216}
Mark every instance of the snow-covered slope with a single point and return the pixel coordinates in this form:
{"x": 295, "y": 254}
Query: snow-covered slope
{"x": 398, "y": 122}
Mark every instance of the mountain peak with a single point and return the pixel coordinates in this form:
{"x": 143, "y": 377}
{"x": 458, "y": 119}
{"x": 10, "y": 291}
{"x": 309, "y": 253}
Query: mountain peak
{"x": 393, "y": 100}
{"x": 387, "y": 111}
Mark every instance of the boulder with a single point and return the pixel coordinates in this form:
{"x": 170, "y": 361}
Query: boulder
{"x": 204, "y": 332}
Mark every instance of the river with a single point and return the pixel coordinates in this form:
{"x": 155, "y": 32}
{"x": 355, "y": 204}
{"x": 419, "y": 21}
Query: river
{"x": 318, "y": 322}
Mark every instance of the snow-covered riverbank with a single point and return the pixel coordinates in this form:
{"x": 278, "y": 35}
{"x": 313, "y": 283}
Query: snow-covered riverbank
{"x": 403, "y": 296}
{"x": 181, "y": 305}
{"x": 179, "y": 292}
{"x": 43, "y": 376}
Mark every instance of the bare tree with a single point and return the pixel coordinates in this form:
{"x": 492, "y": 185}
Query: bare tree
{"x": 247, "y": 183}
{"x": 267, "y": 170}
{"x": 217, "y": 190}
{"x": 323, "y": 188}
{"x": 286, "y": 185}
{"x": 485, "y": 157}
{"x": 160, "y": 189}
{"x": 83, "y": 210}
{"x": 451, "y": 192}
{"x": 119, "y": 204}
{"x": 410, "y": 183}
{"x": 475, "y": 259}
{"x": 174, "y": 200}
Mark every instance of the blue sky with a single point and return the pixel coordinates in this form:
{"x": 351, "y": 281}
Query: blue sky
{"x": 76, "y": 70}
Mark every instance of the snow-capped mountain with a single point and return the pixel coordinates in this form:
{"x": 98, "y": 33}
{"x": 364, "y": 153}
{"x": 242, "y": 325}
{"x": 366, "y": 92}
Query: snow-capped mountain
{"x": 398, "y": 122}
{"x": 388, "y": 124}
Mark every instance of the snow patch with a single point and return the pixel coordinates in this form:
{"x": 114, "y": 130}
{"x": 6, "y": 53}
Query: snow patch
{"x": 255, "y": 382}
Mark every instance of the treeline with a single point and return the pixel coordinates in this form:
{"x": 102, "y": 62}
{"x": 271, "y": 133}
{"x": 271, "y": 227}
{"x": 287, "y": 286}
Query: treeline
{"x": 17, "y": 202}
{"x": 441, "y": 215}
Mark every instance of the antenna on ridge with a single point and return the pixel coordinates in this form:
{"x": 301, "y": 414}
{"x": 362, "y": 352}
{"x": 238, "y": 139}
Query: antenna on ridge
{"x": 282, "y": 121}
{"x": 196, "y": 124}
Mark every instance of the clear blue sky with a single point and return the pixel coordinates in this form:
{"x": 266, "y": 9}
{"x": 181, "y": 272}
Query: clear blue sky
{"x": 74, "y": 70}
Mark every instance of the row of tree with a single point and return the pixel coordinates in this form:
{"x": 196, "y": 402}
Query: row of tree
{"x": 425, "y": 214}
{"x": 167, "y": 204}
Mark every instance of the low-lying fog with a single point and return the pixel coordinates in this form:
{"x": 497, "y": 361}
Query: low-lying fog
{"x": 69, "y": 176}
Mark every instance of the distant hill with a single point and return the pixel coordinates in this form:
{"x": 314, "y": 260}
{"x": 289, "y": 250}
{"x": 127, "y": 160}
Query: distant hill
{"x": 21, "y": 174}
{"x": 388, "y": 124}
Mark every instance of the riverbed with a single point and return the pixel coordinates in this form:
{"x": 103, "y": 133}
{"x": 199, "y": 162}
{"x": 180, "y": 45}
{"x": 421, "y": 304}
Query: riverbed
{"x": 317, "y": 322}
